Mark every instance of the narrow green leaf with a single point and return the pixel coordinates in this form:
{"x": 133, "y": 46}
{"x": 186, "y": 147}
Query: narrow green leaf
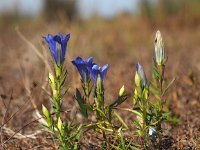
{"x": 137, "y": 124}
{"x": 63, "y": 81}
{"x": 154, "y": 91}
{"x": 120, "y": 119}
{"x": 135, "y": 112}
{"x": 81, "y": 102}
{"x": 103, "y": 128}
{"x": 100, "y": 112}
{"x": 156, "y": 73}
{"x": 169, "y": 85}
{"x": 48, "y": 93}
{"x": 88, "y": 107}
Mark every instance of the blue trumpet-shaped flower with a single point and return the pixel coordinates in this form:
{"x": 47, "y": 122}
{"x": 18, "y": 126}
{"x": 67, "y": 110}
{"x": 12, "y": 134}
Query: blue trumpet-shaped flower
{"x": 84, "y": 67}
{"x": 58, "y": 46}
{"x": 99, "y": 71}
{"x": 141, "y": 76}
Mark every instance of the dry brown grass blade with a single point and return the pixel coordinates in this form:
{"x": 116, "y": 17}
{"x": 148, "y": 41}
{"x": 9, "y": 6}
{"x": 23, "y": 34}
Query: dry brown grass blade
{"x": 17, "y": 132}
{"x": 3, "y": 123}
{"x": 9, "y": 132}
{"x": 38, "y": 53}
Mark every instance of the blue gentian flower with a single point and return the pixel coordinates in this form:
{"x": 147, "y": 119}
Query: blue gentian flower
{"x": 58, "y": 46}
{"x": 99, "y": 71}
{"x": 84, "y": 67}
{"x": 142, "y": 76}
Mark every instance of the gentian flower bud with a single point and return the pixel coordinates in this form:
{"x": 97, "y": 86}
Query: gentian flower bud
{"x": 52, "y": 81}
{"x": 136, "y": 96}
{"x": 160, "y": 55}
{"x": 137, "y": 79}
{"x": 99, "y": 71}
{"x": 121, "y": 91}
{"x": 58, "y": 46}
{"x": 59, "y": 125}
{"x": 140, "y": 77}
{"x": 55, "y": 94}
{"x": 45, "y": 111}
{"x": 47, "y": 117}
{"x": 84, "y": 67}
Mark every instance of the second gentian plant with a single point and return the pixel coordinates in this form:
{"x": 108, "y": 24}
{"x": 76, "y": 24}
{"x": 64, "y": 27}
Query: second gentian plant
{"x": 92, "y": 103}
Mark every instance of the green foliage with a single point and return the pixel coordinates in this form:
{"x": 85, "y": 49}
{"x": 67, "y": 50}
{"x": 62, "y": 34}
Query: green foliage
{"x": 67, "y": 133}
{"x": 103, "y": 113}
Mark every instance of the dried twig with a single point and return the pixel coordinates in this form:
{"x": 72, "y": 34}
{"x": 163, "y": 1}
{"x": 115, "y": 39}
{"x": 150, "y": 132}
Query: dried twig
{"x": 3, "y": 123}
{"x": 8, "y": 131}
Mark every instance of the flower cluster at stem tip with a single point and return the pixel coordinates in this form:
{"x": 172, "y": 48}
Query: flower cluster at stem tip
{"x": 87, "y": 68}
{"x": 84, "y": 67}
{"x": 99, "y": 71}
{"x": 58, "y": 46}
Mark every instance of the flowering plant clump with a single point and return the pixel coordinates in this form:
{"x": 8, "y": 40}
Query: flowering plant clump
{"x": 148, "y": 100}
{"x": 97, "y": 108}
{"x": 159, "y": 86}
{"x": 67, "y": 133}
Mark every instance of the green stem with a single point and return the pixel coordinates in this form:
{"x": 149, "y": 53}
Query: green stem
{"x": 86, "y": 89}
{"x": 161, "y": 71}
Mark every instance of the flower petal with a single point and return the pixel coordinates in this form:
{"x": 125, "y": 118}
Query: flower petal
{"x": 94, "y": 72}
{"x": 64, "y": 41}
{"x": 83, "y": 67}
{"x": 103, "y": 71}
{"x": 52, "y": 45}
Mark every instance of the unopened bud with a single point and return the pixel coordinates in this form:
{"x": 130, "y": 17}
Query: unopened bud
{"x": 146, "y": 93}
{"x": 48, "y": 118}
{"x": 121, "y": 91}
{"x": 59, "y": 125}
{"x": 140, "y": 77}
{"x": 55, "y": 94}
{"x": 160, "y": 54}
{"x": 137, "y": 79}
{"x": 135, "y": 98}
{"x": 52, "y": 81}
{"x": 45, "y": 111}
